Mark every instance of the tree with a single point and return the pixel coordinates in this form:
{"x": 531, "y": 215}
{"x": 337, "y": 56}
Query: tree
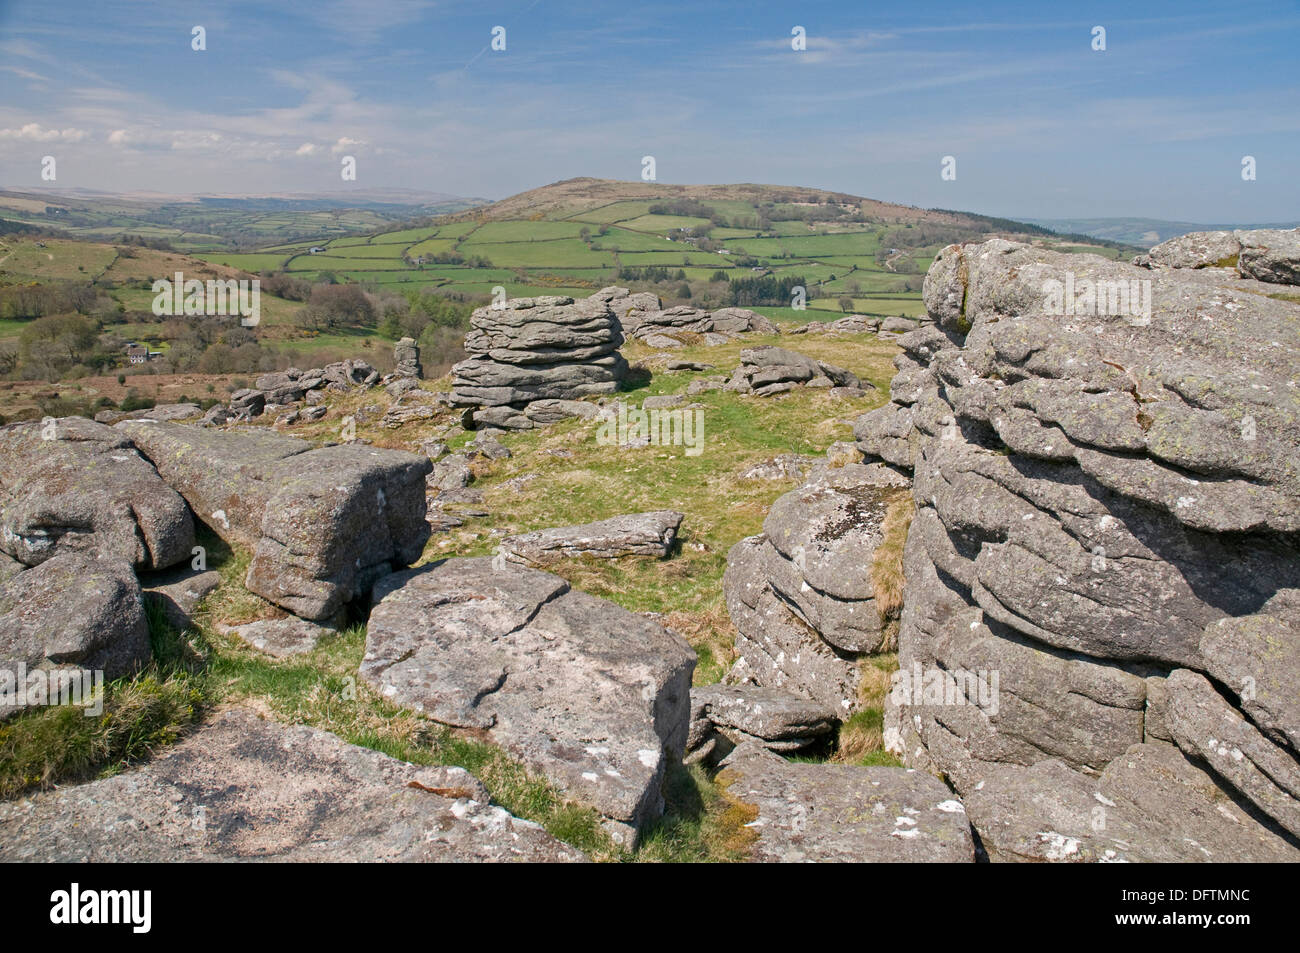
{"x": 846, "y": 304}
{"x": 51, "y": 346}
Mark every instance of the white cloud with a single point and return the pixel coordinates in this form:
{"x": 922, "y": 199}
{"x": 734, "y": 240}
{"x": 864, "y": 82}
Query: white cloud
{"x": 306, "y": 149}
{"x": 35, "y": 132}
{"x": 344, "y": 143}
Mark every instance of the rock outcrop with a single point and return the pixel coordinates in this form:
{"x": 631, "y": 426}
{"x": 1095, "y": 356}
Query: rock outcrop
{"x": 803, "y": 594}
{"x": 285, "y": 390}
{"x": 1270, "y": 255}
{"x": 629, "y": 307}
{"x": 1103, "y": 556}
{"x": 768, "y": 370}
{"x": 850, "y": 324}
{"x": 592, "y": 696}
{"x": 682, "y": 325}
{"x": 635, "y": 534}
{"x": 544, "y": 348}
{"x": 323, "y": 524}
{"x": 246, "y": 789}
{"x": 73, "y": 485}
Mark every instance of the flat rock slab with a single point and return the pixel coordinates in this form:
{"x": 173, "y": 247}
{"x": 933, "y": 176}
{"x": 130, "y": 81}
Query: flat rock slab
{"x": 594, "y": 697}
{"x": 243, "y": 789}
{"x": 323, "y": 524}
{"x": 846, "y": 813}
{"x": 74, "y": 484}
{"x": 281, "y": 638}
{"x": 636, "y": 534}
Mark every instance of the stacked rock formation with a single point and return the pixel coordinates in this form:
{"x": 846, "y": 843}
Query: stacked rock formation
{"x": 1102, "y": 624}
{"x": 80, "y": 511}
{"x": 544, "y": 348}
{"x": 407, "y": 355}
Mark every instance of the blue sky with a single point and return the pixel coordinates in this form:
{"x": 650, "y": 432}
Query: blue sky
{"x": 1040, "y": 124}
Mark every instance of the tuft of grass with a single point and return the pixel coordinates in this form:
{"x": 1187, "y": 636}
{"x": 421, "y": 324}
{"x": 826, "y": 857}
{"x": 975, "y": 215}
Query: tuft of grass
{"x": 860, "y": 739}
{"x": 887, "y": 561}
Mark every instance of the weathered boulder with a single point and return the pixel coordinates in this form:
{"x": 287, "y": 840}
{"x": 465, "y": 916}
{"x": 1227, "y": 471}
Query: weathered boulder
{"x": 850, "y": 324}
{"x": 628, "y": 307}
{"x": 1193, "y": 250}
{"x": 723, "y": 716}
{"x": 1270, "y": 254}
{"x": 157, "y": 412}
{"x": 451, "y": 472}
{"x": 537, "y": 413}
{"x": 635, "y": 534}
{"x": 677, "y": 326}
{"x": 772, "y": 370}
{"x": 323, "y": 524}
{"x": 845, "y": 813}
{"x": 85, "y": 488}
{"x": 243, "y": 788}
{"x": 1148, "y": 805}
{"x": 74, "y": 610}
{"x": 594, "y": 697}
{"x": 280, "y": 637}
{"x": 803, "y": 594}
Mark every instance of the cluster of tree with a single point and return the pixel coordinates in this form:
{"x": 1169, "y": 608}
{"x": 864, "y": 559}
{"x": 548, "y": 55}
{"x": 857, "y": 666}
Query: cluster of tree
{"x": 335, "y": 306}
{"x": 686, "y": 208}
{"x": 141, "y": 241}
{"x": 766, "y": 290}
{"x": 445, "y": 258}
{"x": 55, "y": 346}
{"x": 38, "y": 299}
{"x": 649, "y": 273}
